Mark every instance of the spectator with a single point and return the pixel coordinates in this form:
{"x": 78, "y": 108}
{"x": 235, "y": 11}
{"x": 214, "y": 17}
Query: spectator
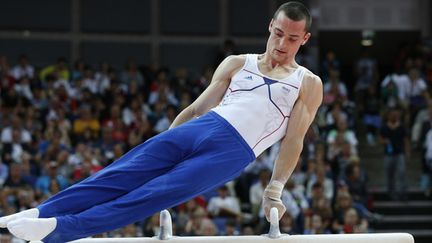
{"x": 397, "y": 150}
{"x": 163, "y": 92}
{"x": 263, "y": 162}
{"x": 335, "y": 86}
{"x": 207, "y": 228}
{"x": 78, "y": 70}
{"x": 335, "y": 113}
{"x": 182, "y": 80}
{"x": 165, "y": 122}
{"x": 32, "y": 122}
{"x": 342, "y": 133}
{"x": 25, "y": 199}
{"x": 39, "y": 101}
{"x": 77, "y": 155}
{"x": 29, "y": 169}
{"x": 356, "y": 184}
{"x": 130, "y": 231}
{"x": 23, "y": 69}
{"x": 87, "y": 168}
{"x": 51, "y": 183}
{"x": 324, "y": 181}
{"x": 86, "y": 122}
{"x": 323, "y": 208}
{"x": 22, "y": 87}
{"x": 89, "y": 82}
{"x": 330, "y": 62}
{"x": 421, "y": 126}
{"x": 185, "y": 99}
{"x": 247, "y": 230}
{"x": 287, "y": 225}
{"x": 104, "y": 77}
{"x": 151, "y": 226}
{"x": 13, "y": 151}
{"x": 131, "y": 73}
{"x": 202, "y": 83}
{"x": 299, "y": 176}
{"x": 394, "y": 89}
{"x": 58, "y": 71}
{"x": 371, "y": 114}
{"x": 51, "y": 146}
{"x": 64, "y": 125}
{"x": 224, "y": 205}
{"x": 426, "y": 142}
{"x": 366, "y": 70}
{"x": 198, "y": 222}
{"x": 106, "y": 143}
{"x": 7, "y": 81}
{"x": 15, "y": 179}
{"x": 353, "y": 223}
{"x": 317, "y": 199}
{"x": 295, "y": 203}
{"x": 185, "y": 212}
{"x": 343, "y": 205}
{"x": 140, "y": 131}
{"x": 256, "y": 191}
{"x": 417, "y": 93}
{"x": 116, "y": 124}
{"x": 314, "y": 225}
{"x": 131, "y": 112}
{"x": 231, "y": 228}
{"x": 15, "y": 123}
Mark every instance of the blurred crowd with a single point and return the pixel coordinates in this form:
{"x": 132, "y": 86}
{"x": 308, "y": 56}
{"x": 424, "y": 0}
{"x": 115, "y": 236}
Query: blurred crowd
{"x": 62, "y": 123}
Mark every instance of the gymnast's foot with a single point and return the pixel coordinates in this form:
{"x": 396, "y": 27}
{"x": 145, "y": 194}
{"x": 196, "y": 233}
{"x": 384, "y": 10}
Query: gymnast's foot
{"x": 29, "y": 213}
{"x": 32, "y": 229}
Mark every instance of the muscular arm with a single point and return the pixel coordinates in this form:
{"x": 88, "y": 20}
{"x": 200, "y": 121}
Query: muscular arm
{"x": 301, "y": 118}
{"x": 214, "y": 92}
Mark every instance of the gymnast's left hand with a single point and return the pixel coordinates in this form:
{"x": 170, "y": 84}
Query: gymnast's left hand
{"x": 272, "y": 199}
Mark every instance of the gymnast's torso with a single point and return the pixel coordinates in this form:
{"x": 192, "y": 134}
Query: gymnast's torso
{"x": 258, "y": 106}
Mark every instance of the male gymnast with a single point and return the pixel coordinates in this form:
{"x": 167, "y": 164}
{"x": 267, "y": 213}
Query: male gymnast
{"x": 252, "y": 102}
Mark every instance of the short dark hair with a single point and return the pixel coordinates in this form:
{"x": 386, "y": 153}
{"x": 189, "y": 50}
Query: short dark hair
{"x": 297, "y": 12}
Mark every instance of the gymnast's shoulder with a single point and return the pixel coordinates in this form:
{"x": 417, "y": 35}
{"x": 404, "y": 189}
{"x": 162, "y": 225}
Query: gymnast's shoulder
{"x": 233, "y": 63}
{"x": 310, "y": 78}
{"x": 235, "y": 60}
{"x": 312, "y": 83}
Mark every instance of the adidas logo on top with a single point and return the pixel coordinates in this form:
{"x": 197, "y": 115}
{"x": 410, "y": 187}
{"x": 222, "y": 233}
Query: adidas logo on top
{"x": 248, "y": 77}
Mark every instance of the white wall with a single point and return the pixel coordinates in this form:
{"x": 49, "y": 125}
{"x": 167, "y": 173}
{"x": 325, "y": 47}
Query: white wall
{"x": 370, "y": 14}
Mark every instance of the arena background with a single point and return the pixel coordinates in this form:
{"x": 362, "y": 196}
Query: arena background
{"x": 177, "y": 44}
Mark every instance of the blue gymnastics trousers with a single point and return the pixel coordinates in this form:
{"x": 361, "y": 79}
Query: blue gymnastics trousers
{"x": 166, "y": 170}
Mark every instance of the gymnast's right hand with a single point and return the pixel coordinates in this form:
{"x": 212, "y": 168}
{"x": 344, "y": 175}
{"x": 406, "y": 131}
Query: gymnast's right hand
{"x": 272, "y": 198}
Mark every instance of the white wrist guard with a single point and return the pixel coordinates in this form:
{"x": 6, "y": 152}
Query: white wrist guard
{"x": 274, "y": 190}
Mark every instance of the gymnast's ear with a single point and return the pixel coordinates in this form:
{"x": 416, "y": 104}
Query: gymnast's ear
{"x": 306, "y": 38}
{"x": 270, "y": 25}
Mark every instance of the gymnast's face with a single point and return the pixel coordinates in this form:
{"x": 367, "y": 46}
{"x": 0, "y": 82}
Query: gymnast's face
{"x": 286, "y": 37}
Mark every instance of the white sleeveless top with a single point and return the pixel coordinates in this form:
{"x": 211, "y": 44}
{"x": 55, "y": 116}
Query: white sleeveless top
{"x": 259, "y": 107}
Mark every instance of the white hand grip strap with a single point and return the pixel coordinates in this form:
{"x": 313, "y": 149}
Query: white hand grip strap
{"x": 274, "y": 190}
